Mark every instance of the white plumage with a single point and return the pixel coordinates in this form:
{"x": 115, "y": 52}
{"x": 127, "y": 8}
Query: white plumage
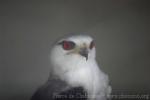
{"x": 77, "y": 70}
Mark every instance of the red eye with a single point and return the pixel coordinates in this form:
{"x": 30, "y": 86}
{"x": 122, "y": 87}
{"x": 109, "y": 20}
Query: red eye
{"x": 92, "y": 45}
{"x": 68, "y": 45}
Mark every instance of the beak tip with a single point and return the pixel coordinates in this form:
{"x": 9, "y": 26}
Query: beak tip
{"x": 86, "y": 58}
{"x": 84, "y": 53}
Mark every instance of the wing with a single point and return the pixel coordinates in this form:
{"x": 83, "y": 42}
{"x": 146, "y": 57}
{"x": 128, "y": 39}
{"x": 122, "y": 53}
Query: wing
{"x": 56, "y": 89}
{"x": 74, "y": 93}
{"x": 49, "y": 90}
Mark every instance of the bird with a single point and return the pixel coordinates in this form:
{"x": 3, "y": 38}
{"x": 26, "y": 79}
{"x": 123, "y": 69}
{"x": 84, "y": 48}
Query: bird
{"x": 75, "y": 73}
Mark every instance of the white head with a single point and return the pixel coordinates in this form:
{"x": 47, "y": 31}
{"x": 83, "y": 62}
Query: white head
{"x": 71, "y": 51}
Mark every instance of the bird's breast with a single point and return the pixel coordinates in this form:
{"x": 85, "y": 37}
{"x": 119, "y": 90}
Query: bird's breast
{"x": 86, "y": 76}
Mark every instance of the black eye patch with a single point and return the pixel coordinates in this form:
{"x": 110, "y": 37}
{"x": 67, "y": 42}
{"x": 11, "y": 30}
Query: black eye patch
{"x": 67, "y": 45}
{"x": 92, "y": 44}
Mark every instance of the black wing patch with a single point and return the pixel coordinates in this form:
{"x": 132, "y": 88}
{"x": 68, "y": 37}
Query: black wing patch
{"x": 75, "y": 93}
{"x": 58, "y": 90}
{"x": 48, "y": 90}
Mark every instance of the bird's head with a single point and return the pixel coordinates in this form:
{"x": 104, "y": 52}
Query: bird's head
{"x": 72, "y": 50}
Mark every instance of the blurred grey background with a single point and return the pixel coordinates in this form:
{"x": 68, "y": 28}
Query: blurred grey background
{"x": 121, "y": 29}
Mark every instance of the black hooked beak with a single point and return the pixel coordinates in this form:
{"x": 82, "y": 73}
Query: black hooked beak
{"x": 84, "y": 52}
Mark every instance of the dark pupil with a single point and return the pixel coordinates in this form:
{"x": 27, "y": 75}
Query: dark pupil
{"x": 68, "y": 45}
{"x": 92, "y": 45}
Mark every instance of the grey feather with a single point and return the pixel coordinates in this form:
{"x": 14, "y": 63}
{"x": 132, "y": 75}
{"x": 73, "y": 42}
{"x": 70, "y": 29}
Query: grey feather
{"x": 56, "y": 89}
{"x": 50, "y": 89}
